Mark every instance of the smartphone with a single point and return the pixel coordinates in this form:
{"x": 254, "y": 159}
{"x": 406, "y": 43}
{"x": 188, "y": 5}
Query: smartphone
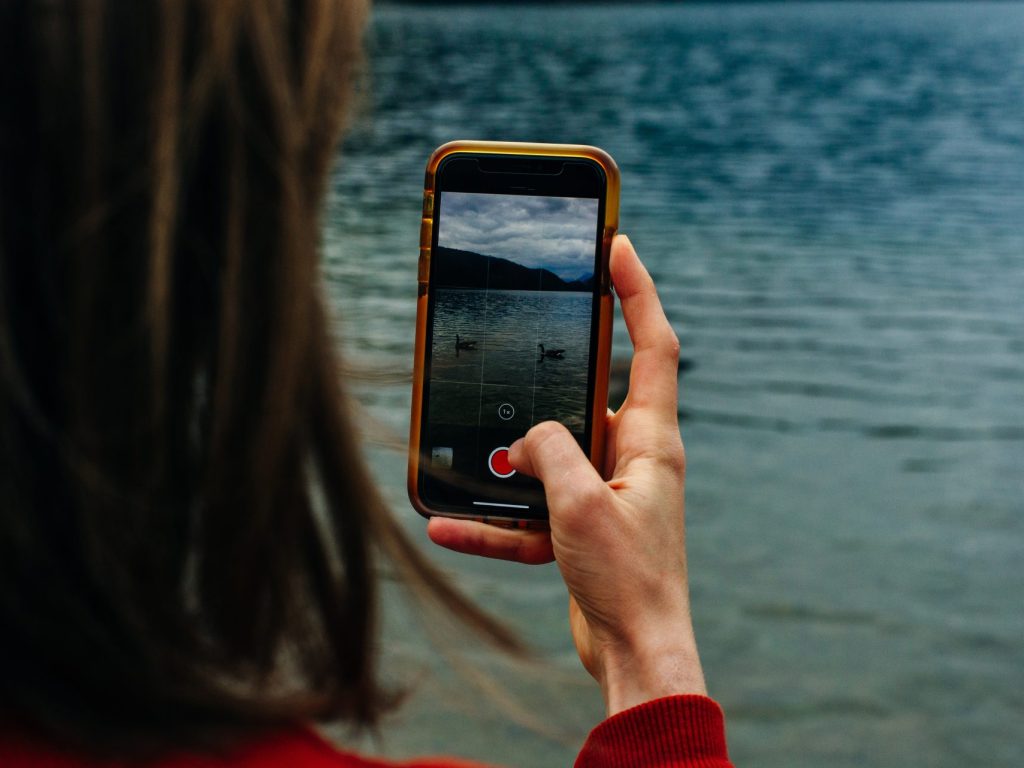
{"x": 513, "y": 322}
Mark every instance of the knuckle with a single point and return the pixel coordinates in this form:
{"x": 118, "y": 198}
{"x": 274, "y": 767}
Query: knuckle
{"x": 673, "y": 457}
{"x": 540, "y": 434}
{"x": 664, "y": 343}
{"x": 590, "y": 495}
{"x": 574, "y": 507}
{"x": 671, "y": 345}
{"x": 531, "y": 550}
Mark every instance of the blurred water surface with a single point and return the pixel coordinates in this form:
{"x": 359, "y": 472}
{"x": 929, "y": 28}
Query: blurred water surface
{"x": 831, "y": 199}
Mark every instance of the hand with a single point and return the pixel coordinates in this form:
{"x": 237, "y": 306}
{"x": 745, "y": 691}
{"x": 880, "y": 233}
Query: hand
{"x": 620, "y": 543}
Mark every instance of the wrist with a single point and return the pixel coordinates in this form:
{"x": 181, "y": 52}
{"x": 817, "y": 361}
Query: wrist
{"x": 664, "y": 665}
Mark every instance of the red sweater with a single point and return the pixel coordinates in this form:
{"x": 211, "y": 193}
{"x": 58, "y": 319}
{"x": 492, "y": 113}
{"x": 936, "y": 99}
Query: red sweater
{"x": 674, "y": 732}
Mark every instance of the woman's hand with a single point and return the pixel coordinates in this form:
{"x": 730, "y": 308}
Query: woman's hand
{"x": 620, "y": 543}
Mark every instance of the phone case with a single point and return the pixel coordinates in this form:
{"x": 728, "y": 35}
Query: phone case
{"x": 611, "y": 223}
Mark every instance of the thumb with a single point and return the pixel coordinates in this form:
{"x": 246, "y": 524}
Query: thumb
{"x": 551, "y": 454}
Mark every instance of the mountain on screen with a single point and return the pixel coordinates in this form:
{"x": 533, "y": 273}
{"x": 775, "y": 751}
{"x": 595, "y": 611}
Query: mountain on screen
{"x": 453, "y": 268}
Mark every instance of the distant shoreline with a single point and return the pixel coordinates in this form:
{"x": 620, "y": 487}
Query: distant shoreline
{"x": 455, "y": 268}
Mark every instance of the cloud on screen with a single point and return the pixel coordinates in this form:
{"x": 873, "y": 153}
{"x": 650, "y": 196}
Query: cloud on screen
{"x": 556, "y": 233}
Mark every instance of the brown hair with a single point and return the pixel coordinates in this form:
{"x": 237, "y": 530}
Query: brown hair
{"x": 187, "y": 530}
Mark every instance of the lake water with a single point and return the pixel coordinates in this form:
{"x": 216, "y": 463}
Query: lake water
{"x": 831, "y": 199}
{"x": 507, "y": 329}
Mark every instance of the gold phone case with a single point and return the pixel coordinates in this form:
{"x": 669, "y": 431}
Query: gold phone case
{"x": 611, "y": 223}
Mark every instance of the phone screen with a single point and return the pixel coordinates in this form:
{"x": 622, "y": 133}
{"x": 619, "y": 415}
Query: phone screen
{"x": 512, "y": 327}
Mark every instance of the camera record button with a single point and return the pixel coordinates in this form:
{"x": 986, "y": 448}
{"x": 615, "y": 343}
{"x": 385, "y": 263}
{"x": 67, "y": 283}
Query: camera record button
{"x": 499, "y": 464}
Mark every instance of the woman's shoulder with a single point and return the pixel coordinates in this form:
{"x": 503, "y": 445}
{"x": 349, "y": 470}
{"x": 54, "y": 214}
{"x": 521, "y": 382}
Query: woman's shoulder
{"x": 679, "y": 731}
{"x": 300, "y": 748}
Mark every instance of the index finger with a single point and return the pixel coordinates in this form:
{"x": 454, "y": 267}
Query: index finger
{"x": 474, "y": 538}
{"x": 654, "y": 371}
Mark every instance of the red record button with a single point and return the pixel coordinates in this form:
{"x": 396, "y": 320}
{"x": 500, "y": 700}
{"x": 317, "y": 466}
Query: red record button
{"x": 499, "y": 464}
